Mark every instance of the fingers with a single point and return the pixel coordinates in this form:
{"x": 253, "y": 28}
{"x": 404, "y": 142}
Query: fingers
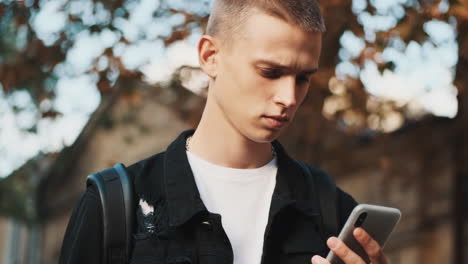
{"x": 372, "y": 248}
{"x": 342, "y": 251}
{"x": 319, "y": 260}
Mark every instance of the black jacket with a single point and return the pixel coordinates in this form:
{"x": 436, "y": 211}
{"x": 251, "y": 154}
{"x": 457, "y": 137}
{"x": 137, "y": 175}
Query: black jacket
{"x": 181, "y": 230}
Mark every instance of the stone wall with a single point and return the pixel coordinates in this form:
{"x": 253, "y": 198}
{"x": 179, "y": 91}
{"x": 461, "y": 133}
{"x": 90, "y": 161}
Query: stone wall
{"x": 413, "y": 171}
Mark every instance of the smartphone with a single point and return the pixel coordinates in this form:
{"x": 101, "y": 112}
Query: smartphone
{"x": 378, "y": 221}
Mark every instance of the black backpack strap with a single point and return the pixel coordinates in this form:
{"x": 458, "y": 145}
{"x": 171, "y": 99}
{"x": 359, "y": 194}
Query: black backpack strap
{"x": 115, "y": 189}
{"x": 326, "y": 190}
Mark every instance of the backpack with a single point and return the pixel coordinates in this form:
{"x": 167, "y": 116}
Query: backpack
{"x": 115, "y": 189}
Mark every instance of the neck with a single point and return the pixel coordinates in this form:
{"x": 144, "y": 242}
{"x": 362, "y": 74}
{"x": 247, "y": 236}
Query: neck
{"x": 217, "y": 141}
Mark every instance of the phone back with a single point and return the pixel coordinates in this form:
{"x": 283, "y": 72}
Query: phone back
{"x": 379, "y": 222}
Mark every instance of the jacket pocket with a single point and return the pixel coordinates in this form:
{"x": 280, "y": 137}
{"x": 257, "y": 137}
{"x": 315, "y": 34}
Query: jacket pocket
{"x": 179, "y": 260}
{"x": 302, "y": 251}
{"x": 207, "y": 254}
{"x": 302, "y": 243}
{"x": 148, "y": 249}
{"x": 154, "y": 250}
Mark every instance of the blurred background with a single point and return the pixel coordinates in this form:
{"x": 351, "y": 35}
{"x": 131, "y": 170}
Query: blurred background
{"x": 85, "y": 84}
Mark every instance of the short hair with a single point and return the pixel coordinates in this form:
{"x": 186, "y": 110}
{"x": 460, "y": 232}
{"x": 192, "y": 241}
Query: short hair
{"x": 228, "y": 16}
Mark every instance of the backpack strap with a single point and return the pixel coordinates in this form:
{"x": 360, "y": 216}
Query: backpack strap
{"x": 326, "y": 189}
{"x": 115, "y": 189}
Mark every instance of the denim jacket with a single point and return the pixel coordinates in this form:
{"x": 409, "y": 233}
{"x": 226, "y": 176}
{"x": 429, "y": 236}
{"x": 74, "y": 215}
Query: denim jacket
{"x": 181, "y": 230}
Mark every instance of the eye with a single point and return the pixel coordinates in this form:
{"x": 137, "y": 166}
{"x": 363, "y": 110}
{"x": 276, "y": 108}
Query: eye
{"x": 303, "y": 78}
{"x": 271, "y": 74}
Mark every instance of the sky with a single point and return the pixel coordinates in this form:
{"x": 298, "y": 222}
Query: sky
{"x": 423, "y": 75}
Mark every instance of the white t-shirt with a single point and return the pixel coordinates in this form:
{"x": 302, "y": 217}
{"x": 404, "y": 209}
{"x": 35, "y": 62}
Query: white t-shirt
{"x": 242, "y": 197}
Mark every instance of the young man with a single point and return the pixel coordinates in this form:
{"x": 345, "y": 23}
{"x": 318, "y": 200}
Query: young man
{"x": 228, "y": 192}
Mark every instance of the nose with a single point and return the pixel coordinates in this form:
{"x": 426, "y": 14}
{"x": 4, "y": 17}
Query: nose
{"x": 286, "y": 92}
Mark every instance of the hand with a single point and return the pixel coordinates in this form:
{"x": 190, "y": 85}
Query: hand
{"x": 372, "y": 248}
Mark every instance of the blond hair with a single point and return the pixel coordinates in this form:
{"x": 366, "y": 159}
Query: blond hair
{"x": 228, "y": 16}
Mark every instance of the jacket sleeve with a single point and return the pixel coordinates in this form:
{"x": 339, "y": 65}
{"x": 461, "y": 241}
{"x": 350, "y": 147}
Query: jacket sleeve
{"x": 346, "y": 204}
{"x": 83, "y": 237}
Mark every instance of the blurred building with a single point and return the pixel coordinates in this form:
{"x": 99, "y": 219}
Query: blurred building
{"x": 413, "y": 170}
{"x": 19, "y": 226}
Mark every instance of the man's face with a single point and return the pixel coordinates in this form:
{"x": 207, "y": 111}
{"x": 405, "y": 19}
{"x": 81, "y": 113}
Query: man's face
{"x": 264, "y": 77}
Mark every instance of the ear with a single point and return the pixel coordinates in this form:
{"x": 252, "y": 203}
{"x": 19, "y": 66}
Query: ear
{"x": 207, "y": 55}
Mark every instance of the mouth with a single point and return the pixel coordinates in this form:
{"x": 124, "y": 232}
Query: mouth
{"x": 276, "y": 121}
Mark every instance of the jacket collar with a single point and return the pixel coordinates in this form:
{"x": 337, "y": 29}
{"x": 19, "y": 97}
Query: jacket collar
{"x": 183, "y": 198}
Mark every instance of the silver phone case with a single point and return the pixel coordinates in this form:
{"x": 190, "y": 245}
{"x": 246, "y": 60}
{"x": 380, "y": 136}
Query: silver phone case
{"x": 379, "y": 223}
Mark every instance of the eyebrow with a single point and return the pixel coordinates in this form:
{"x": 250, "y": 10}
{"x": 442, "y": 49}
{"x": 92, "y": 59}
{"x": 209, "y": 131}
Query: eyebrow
{"x": 281, "y": 66}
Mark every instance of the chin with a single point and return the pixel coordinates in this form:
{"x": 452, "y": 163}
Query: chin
{"x": 264, "y": 135}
